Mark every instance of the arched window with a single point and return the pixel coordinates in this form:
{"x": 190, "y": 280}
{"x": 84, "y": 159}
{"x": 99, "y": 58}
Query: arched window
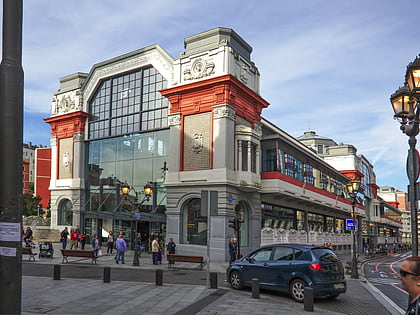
{"x": 65, "y": 212}
{"x": 194, "y": 227}
{"x": 242, "y": 211}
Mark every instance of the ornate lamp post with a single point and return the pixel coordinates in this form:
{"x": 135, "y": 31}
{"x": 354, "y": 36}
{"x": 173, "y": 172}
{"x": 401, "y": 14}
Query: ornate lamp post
{"x": 405, "y": 102}
{"x": 148, "y": 191}
{"x": 353, "y": 189}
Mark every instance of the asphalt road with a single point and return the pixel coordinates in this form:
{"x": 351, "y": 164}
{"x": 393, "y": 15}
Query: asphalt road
{"x": 382, "y": 273}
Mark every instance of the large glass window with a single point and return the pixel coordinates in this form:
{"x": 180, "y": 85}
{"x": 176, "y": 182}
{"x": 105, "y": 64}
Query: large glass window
{"x": 194, "y": 227}
{"x": 128, "y": 103}
{"x": 136, "y": 159}
{"x": 65, "y": 212}
{"x": 316, "y": 222}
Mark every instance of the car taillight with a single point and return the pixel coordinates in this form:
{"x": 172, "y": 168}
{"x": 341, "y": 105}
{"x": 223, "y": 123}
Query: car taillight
{"x": 315, "y": 266}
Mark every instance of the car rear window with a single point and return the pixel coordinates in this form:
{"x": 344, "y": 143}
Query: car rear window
{"x": 325, "y": 255}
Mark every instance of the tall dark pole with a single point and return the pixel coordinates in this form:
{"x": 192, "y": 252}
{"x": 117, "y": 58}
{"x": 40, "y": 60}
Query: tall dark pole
{"x": 11, "y": 119}
{"x": 354, "y": 271}
{"x": 412, "y": 172}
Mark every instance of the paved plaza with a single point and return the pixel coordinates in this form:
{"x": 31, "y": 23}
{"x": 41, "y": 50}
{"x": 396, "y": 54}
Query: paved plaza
{"x": 183, "y": 291}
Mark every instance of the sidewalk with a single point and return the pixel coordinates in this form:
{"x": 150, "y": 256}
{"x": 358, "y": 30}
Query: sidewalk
{"x": 86, "y": 296}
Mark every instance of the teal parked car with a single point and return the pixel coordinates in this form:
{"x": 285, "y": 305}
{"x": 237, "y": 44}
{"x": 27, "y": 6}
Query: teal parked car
{"x": 289, "y": 268}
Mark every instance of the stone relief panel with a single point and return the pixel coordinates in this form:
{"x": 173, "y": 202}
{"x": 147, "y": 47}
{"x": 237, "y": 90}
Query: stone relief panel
{"x": 66, "y": 102}
{"x": 200, "y": 68}
{"x": 65, "y": 158}
{"x": 197, "y": 141}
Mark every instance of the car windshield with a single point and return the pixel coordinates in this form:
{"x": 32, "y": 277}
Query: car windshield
{"x": 325, "y": 255}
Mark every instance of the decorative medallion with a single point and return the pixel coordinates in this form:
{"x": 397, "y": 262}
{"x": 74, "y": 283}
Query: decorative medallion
{"x": 199, "y": 69}
{"x": 197, "y": 143}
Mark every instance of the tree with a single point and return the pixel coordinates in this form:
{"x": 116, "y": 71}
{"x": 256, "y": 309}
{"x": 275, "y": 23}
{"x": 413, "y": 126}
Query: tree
{"x": 30, "y": 204}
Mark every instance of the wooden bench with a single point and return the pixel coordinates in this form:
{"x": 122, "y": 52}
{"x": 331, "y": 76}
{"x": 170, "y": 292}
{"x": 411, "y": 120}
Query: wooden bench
{"x": 184, "y": 258}
{"x": 28, "y": 251}
{"x": 78, "y": 253}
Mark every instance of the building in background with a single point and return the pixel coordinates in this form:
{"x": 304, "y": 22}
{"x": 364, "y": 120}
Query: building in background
{"x": 26, "y": 187}
{"x": 29, "y": 154}
{"x": 399, "y": 199}
{"x": 42, "y": 175}
{"x": 382, "y": 223}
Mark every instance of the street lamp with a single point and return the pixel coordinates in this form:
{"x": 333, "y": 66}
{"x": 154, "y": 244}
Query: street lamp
{"x": 405, "y": 102}
{"x": 353, "y": 189}
{"x": 148, "y": 191}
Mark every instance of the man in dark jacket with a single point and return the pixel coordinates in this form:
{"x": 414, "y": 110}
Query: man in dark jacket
{"x": 410, "y": 280}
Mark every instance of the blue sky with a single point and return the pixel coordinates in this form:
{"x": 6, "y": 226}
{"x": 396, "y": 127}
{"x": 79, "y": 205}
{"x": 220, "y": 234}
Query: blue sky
{"x": 326, "y": 65}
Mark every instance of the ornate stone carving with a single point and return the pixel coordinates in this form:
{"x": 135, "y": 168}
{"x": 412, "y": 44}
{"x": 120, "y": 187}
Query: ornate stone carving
{"x": 199, "y": 69}
{"x": 223, "y": 111}
{"x": 66, "y": 159}
{"x": 174, "y": 119}
{"x": 197, "y": 143}
{"x": 66, "y": 102}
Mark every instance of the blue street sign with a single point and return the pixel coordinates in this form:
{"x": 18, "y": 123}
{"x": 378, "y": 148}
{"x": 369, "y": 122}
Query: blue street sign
{"x": 350, "y": 225}
{"x": 137, "y": 215}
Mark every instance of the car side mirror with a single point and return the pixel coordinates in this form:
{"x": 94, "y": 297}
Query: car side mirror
{"x": 250, "y": 259}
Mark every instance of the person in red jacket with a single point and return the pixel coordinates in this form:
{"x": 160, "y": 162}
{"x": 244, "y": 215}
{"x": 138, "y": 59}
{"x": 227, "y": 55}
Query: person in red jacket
{"x": 74, "y": 237}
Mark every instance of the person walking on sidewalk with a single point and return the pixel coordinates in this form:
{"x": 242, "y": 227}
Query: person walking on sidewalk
{"x": 95, "y": 245}
{"x": 170, "y": 249}
{"x": 74, "y": 237}
{"x": 139, "y": 244}
{"x": 63, "y": 237}
{"x": 155, "y": 250}
{"x": 83, "y": 240}
{"x": 410, "y": 280}
{"x": 110, "y": 244}
{"x": 121, "y": 248}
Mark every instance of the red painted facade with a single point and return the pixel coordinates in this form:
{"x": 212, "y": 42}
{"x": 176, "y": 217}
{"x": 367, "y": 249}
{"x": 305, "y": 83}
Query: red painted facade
{"x": 64, "y": 126}
{"x": 201, "y": 96}
{"x": 43, "y": 175}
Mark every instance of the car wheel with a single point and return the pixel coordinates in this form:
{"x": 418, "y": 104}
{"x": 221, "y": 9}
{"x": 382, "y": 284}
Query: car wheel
{"x": 297, "y": 290}
{"x": 235, "y": 280}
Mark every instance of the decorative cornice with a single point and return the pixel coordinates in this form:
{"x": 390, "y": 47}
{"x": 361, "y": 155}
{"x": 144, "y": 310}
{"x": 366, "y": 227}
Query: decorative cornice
{"x": 223, "y": 111}
{"x": 174, "y": 119}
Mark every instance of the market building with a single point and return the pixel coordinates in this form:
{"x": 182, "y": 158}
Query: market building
{"x": 180, "y": 127}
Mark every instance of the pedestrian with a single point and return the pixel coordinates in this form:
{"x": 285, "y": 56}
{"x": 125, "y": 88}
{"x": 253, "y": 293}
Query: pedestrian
{"x": 83, "y": 240}
{"x": 74, "y": 237}
{"x": 155, "y": 250}
{"x": 139, "y": 244}
{"x": 410, "y": 280}
{"x": 78, "y": 244}
{"x": 170, "y": 249}
{"x": 96, "y": 245}
{"x": 121, "y": 248}
{"x": 233, "y": 250}
{"x": 27, "y": 235}
{"x": 110, "y": 243}
{"x": 63, "y": 237}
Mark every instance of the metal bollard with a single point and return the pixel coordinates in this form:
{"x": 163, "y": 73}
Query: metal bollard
{"x": 57, "y": 272}
{"x": 255, "y": 288}
{"x": 213, "y": 280}
{"x": 159, "y": 277}
{"x": 107, "y": 275}
{"x": 308, "y": 300}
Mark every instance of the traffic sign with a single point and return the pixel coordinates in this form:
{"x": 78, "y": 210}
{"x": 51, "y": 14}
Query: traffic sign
{"x": 137, "y": 215}
{"x": 351, "y": 225}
